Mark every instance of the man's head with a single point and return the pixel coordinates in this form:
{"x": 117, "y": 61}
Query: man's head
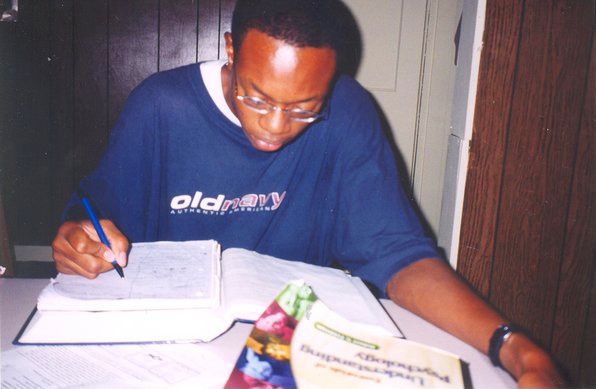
{"x": 282, "y": 57}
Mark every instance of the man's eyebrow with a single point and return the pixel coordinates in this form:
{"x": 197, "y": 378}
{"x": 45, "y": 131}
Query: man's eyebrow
{"x": 259, "y": 91}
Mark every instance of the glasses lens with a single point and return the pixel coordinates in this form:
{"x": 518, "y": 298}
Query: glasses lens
{"x": 256, "y": 104}
{"x": 302, "y": 115}
{"x": 263, "y": 107}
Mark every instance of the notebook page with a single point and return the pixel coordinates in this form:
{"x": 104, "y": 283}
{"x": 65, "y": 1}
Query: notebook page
{"x": 159, "y": 275}
{"x": 124, "y": 366}
{"x": 251, "y": 281}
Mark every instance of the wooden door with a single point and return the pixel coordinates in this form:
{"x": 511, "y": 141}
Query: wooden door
{"x": 528, "y": 239}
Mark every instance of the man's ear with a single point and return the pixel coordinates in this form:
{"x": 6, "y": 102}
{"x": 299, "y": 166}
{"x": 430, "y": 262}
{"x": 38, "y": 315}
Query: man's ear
{"x": 229, "y": 47}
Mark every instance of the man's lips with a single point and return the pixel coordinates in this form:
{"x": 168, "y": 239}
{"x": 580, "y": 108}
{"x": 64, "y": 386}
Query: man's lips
{"x": 266, "y": 144}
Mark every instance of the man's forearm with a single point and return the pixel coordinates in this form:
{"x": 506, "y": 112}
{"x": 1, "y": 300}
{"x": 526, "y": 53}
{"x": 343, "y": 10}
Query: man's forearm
{"x": 433, "y": 291}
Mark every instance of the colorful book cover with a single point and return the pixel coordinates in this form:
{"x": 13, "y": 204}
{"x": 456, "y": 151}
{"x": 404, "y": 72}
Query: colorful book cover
{"x": 265, "y": 359}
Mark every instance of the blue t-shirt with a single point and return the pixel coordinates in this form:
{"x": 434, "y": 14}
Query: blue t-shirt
{"x": 177, "y": 169}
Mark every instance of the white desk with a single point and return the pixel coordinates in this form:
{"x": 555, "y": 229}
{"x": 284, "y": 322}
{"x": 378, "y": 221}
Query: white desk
{"x": 18, "y": 297}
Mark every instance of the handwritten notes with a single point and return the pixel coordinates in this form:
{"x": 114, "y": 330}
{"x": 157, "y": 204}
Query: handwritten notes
{"x": 157, "y": 273}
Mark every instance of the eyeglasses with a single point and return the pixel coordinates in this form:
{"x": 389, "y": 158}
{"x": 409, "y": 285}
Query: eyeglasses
{"x": 262, "y": 107}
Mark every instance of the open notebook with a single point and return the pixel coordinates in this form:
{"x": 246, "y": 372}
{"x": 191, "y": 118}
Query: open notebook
{"x": 184, "y": 291}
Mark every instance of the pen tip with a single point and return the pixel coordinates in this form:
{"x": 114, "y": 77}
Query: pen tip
{"x": 118, "y": 269}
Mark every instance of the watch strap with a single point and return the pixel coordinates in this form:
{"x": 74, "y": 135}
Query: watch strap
{"x": 501, "y": 334}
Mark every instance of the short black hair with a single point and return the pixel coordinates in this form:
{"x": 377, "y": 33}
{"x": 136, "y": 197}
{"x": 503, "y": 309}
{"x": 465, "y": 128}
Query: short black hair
{"x": 300, "y": 23}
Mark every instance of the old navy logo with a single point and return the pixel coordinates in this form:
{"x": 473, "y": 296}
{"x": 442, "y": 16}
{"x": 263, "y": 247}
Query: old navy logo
{"x": 219, "y": 204}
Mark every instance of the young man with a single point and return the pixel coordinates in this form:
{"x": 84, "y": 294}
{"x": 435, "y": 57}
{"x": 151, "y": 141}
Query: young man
{"x": 275, "y": 152}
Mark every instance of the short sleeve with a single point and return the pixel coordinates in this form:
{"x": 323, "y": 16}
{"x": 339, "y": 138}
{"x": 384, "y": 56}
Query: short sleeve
{"x": 378, "y": 232}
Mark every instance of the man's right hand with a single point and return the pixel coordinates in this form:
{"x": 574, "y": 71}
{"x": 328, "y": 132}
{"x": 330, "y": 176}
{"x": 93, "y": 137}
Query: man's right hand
{"x": 78, "y": 250}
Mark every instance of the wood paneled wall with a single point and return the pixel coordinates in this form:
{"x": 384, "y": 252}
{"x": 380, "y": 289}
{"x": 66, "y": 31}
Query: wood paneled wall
{"x": 528, "y": 239}
{"x": 66, "y": 69}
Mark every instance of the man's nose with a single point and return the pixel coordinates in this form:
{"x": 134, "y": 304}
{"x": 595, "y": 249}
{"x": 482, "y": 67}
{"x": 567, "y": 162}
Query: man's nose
{"x": 275, "y": 122}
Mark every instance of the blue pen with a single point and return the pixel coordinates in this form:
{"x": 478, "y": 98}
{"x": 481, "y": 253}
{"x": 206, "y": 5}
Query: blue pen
{"x": 98, "y": 229}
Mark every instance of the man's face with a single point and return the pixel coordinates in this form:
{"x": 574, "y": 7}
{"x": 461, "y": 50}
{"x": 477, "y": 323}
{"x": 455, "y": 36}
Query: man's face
{"x": 284, "y": 76}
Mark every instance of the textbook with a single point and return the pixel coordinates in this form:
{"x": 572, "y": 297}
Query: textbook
{"x": 184, "y": 291}
{"x": 331, "y": 351}
{"x": 299, "y": 341}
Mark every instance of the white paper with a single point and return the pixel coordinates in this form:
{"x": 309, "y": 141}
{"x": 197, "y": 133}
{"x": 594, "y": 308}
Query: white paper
{"x": 251, "y": 281}
{"x": 159, "y": 275}
{"x": 130, "y": 366}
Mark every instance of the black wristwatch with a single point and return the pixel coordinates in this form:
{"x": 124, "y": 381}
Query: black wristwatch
{"x": 501, "y": 334}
